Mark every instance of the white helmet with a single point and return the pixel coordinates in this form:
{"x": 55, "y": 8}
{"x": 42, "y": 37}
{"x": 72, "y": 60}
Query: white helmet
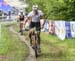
{"x": 35, "y": 7}
{"x": 21, "y": 10}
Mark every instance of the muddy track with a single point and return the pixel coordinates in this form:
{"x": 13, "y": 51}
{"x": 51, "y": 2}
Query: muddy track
{"x": 31, "y": 56}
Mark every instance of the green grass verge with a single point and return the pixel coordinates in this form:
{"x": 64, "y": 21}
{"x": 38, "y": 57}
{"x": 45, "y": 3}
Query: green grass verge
{"x": 11, "y": 48}
{"x": 54, "y": 49}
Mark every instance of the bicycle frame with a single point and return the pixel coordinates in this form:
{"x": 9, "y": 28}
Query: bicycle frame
{"x": 34, "y": 41}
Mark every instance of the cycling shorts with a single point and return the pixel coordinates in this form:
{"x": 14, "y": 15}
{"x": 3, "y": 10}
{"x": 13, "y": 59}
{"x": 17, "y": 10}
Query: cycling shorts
{"x": 35, "y": 24}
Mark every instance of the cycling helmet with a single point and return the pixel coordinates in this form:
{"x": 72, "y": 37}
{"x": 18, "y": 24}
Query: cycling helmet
{"x": 35, "y": 7}
{"x": 21, "y": 10}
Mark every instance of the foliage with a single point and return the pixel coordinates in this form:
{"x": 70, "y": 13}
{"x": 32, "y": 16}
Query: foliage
{"x": 55, "y": 9}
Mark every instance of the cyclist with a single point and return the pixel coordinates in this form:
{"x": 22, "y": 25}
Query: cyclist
{"x": 22, "y": 21}
{"x": 34, "y": 16}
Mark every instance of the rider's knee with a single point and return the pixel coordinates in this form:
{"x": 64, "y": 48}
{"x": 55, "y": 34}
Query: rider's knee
{"x": 29, "y": 34}
{"x": 38, "y": 33}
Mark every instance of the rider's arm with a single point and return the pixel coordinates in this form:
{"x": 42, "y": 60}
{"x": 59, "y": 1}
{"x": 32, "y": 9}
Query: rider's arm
{"x": 44, "y": 19}
{"x": 27, "y": 19}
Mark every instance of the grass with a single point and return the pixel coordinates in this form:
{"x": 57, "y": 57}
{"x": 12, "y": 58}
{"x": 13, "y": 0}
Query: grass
{"x": 16, "y": 28}
{"x": 54, "y": 49}
{"x": 11, "y": 48}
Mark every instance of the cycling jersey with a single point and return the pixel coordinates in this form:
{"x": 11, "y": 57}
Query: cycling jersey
{"x": 35, "y": 18}
{"x": 21, "y": 16}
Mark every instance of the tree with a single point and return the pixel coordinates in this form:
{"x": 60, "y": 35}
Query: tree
{"x": 56, "y": 9}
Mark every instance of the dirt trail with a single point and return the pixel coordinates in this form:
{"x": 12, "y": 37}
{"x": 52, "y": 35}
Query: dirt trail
{"x": 31, "y": 56}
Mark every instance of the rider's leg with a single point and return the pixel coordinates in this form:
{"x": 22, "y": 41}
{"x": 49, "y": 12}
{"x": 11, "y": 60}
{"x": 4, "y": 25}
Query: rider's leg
{"x": 30, "y": 37}
{"x": 38, "y": 34}
{"x": 30, "y": 27}
{"x": 21, "y": 28}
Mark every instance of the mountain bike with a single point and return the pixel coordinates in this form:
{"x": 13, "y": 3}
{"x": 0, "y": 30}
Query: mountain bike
{"x": 34, "y": 37}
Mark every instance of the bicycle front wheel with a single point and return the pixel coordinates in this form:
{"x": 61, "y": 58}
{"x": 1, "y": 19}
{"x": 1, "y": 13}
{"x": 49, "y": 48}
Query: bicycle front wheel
{"x": 36, "y": 53}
